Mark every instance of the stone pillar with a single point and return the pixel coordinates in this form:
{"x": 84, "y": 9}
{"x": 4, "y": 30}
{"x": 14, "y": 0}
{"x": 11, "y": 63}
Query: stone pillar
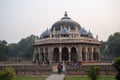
{"x": 39, "y": 53}
{"x": 34, "y": 54}
{"x": 69, "y": 54}
{"x": 86, "y": 52}
{"x": 44, "y": 53}
{"x": 60, "y": 52}
{"x": 92, "y": 53}
{"x": 80, "y": 53}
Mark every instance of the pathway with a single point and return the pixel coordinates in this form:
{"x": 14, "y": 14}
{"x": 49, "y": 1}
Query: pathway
{"x": 56, "y": 77}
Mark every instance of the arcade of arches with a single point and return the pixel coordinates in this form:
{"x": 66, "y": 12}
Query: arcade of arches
{"x": 67, "y": 53}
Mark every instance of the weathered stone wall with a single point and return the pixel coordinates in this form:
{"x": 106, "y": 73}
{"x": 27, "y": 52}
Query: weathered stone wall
{"x": 31, "y": 70}
{"x": 81, "y": 69}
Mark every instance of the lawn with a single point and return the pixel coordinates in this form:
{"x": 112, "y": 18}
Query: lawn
{"x": 29, "y": 78}
{"x": 86, "y": 78}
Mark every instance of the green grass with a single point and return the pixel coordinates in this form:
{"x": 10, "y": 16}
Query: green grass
{"x": 29, "y": 78}
{"x": 86, "y": 78}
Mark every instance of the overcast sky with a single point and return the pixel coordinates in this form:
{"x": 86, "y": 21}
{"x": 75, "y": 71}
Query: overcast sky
{"x": 21, "y": 18}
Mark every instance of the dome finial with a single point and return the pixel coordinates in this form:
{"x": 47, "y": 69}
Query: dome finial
{"x": 65, "y": 13}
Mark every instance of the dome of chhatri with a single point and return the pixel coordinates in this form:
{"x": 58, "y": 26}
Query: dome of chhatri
{"x": 64, "y": 31}
{"x": 90, "y": 35}
{"x": 45, "y": 33}
{"x": 83, "y": 32}
{"x": 67, "y": 22}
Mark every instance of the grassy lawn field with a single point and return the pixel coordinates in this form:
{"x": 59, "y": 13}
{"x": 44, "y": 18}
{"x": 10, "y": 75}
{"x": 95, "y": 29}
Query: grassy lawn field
{"x": 29, "y": 78}
{"x": 86, "y": 78}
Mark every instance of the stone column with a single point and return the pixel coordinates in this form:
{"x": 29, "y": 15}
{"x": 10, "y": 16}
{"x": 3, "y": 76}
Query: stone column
{"x": 92, "y": 53}
{"x": 39, "y": 53}
{"x": 34, "y": 54}
{"x": 44, "y": 53}
{"x": 60, "y": 52}
{"x": 80, "y": 53}
{"x": 69, "y": 54}
{"x": 86, "y": 52}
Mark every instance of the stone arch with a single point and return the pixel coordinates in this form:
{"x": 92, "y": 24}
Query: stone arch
{"x": 56, "y": 54}
{"x": 73, "y": 54}
{"x": 83, "y": 54}
{"x": 65, "y": 54}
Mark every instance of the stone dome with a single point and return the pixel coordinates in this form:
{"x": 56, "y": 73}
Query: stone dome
{"x": 90, "y": 35}
{"x": 65, "y": 22}
{"x": 64, "y": 31}
{"x": 45, "y": 33}
{"x": 83, "y": 32}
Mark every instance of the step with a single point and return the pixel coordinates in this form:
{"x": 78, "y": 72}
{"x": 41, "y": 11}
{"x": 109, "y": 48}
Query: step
{"x": 56, "y": 77}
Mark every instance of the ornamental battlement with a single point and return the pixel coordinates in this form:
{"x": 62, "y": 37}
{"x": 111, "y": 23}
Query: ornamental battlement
{"x": 66, "y": 40}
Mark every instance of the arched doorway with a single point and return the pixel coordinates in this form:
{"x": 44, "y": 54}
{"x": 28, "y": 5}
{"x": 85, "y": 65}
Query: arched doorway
{"x": 65, "y": 54}
{"x": 73, "y": 54}
{"x": 56, "y": 54}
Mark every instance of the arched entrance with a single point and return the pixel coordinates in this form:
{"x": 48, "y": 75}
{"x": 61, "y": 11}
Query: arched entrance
{"x": 73, "y": 54}
{"x": 56, "y": 54}
{"x": 65, "y": 54}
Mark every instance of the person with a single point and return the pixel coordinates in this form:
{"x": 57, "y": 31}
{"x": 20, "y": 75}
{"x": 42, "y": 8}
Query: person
{"x": 59, "y": 68}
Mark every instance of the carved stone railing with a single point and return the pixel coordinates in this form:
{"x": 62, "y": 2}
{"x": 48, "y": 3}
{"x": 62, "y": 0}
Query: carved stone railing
{"x": 30, "y": 70}
{"x": 81, "y": 69}
{"x": 66, "y": 40}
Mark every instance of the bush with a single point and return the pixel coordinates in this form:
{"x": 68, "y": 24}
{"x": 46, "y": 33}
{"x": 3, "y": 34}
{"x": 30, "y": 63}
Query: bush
{"x": 93, "y": 73}
{"x": 116, "y": 64}
{"x": 7, "y": 74}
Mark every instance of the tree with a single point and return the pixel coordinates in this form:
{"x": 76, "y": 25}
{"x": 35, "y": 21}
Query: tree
{"x": 116, "y": 64}
{"x": 3, "y": 50}
{"x": 93, "y": 73}
{"x": 114, "y": 44}
{"x": 7, "y": 74}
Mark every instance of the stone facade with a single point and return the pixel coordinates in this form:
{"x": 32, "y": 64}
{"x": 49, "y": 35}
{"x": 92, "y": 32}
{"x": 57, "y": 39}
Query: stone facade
{"x": 81, "y": 69}
{"x": 66, "y": 41}
{"x": 30, "y": 70}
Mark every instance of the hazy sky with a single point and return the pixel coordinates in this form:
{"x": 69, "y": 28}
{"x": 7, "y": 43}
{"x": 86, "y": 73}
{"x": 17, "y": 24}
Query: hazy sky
{"x": 21, "y": 18}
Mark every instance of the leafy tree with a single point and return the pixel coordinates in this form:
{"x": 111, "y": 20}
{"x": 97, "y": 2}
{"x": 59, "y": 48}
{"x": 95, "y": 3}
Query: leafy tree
{"x": 93, "y": 73}
{"x": 3, "y": 50}
{"x": 114, "y": 44}
{"x": 116, "y": 64}
{"x": 12, "y": 49}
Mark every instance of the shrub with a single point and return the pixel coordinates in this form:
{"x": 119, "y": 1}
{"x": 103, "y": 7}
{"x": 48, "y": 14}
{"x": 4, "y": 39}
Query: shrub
{"x": 7, "y": 74}
{"x": 93, "y": 73}
{"x": 116, "y": 64}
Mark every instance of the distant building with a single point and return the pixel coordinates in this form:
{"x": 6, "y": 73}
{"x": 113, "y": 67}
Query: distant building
{"x": 67, "y": 41}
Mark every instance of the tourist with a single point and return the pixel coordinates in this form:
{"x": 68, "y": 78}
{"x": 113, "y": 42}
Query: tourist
{"x": 59, "y": 68}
